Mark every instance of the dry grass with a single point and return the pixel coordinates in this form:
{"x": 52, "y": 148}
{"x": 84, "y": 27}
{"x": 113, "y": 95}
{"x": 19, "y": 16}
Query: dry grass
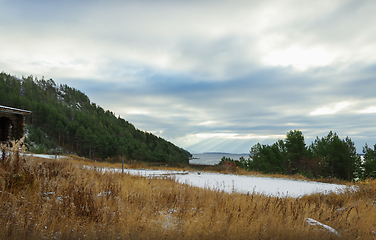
{"x": 49, "y": 199}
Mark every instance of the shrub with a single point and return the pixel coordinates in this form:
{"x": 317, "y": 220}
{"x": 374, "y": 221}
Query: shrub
{"x": 16, "y": 173}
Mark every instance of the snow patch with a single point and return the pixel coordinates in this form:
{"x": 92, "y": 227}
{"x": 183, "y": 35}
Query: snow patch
{"x": 278, "y": 187}
{"x": 313, "y": 222}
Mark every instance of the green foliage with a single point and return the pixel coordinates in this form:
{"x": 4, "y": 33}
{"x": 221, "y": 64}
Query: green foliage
{"x": 64, "y": 117}
{"x": 228, "y": 161}
{"x": 369, "y": 164}
{"x": 296, "y": 152}
{"x": 268, "y": 158}
{"x": 337, "y": 157}
{"x": 326, "y": 157}
{"x": 245, "y": 163}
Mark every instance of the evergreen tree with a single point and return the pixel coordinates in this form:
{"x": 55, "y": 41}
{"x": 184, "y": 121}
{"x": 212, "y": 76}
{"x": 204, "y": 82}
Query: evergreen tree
{"x": 267, "y": 159}
{"x": 369, "y": 164}
{"x": 64, "y": 117}
{"x": 328, "y": 156}
{"x": 338, "y": 156}
{"x": 296, "y": 151}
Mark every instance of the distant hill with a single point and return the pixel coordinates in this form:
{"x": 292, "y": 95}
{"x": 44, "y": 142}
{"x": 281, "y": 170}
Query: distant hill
{"x": 64, "y": 119}
{"x": 215, "y": 153}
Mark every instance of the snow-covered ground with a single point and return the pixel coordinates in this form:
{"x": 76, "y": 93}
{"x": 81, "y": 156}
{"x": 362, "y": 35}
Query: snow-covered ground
{"x": 236, "y": 183}
{"x": 243, "y": 184}
{"x": 46, "y": 156}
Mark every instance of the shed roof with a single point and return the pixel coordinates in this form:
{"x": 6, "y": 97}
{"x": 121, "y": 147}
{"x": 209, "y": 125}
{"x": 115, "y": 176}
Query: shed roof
{"x": 11, "y": 110}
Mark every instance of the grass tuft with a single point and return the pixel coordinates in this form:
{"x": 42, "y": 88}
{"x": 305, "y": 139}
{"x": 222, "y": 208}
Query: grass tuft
{"x": 62, "y": 199}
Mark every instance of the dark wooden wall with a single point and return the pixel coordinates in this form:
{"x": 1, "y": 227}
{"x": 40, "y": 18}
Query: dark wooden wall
{"x": 11, "y": 126}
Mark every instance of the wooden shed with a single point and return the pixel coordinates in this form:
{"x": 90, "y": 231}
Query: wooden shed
{"x": 12, "y": 123}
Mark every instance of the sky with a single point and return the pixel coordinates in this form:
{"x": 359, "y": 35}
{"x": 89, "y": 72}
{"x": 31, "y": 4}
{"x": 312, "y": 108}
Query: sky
{"x": 208, "y": 76}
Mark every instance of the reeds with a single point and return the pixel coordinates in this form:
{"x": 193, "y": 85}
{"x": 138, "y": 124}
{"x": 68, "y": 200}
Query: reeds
{"x": 50, "y": 199}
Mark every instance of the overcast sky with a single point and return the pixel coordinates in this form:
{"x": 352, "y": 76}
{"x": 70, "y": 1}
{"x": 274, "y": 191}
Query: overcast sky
{"x": 207, "y": 75}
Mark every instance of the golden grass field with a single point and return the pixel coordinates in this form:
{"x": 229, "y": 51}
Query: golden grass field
{"x": 50, "y": 199}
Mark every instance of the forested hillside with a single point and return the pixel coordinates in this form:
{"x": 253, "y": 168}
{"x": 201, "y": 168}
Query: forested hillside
{"x": 64, "y": 119}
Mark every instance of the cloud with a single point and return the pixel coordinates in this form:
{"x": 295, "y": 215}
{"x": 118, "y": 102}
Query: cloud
{"x": 369, "y": 110}
{"x": 206, "y": 75}
{"x": 222, "y": 42}
{"x": 330, "y": 109}
{"x": 261, "y": 107}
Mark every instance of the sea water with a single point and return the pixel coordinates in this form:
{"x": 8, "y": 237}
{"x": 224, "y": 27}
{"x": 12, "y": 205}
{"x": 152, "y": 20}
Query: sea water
{"x": 214, "y": 158}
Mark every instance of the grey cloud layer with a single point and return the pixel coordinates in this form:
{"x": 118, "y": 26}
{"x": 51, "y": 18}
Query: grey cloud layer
{"x": 270, "y": 102}
{"x": 206, "y": 75}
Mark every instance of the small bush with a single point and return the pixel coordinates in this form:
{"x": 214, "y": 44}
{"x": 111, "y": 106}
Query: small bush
{"x": 16, "y": 173}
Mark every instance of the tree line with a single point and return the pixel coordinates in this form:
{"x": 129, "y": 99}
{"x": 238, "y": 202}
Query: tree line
{"x": 328, "y": 156}
{"x": 64, "y": 119}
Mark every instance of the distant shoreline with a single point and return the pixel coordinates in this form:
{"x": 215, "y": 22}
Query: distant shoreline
{"x": 222, "y": 153}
